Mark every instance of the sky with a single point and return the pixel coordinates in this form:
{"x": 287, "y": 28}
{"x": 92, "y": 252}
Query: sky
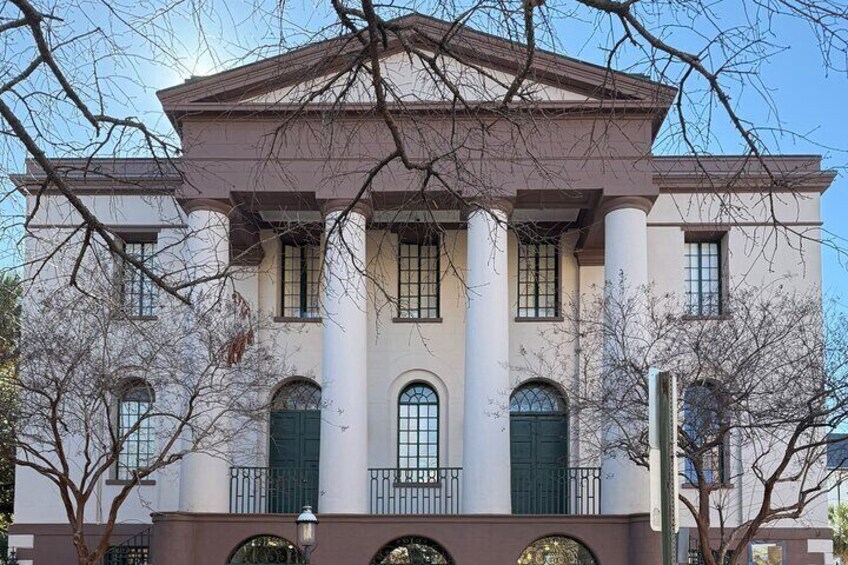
{"x": 212, "y": 36}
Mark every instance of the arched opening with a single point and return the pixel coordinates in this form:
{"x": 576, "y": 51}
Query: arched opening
{"x": 295, "y": 439}
{"x": 412, "y": 550}
{"x": 538, "y": 416}
{"x": 557, "y": 550}
{"x": 266, "y": 550}
{"x": 418, "y": 433}
{"x": 134, "y": 429}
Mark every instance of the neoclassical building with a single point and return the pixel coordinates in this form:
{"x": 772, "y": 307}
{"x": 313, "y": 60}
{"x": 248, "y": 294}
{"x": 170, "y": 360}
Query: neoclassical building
{"x": 407, "y": 425}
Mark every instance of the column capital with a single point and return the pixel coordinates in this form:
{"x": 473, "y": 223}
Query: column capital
{"x": 611, "y": 204}
{"x": 210, "y": 204}
{"x": 340, "y": 204}
{"x": 490, "y": 204}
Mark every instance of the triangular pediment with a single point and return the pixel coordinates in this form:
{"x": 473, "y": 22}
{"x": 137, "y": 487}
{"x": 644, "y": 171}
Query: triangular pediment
{"x": 410, "y": 79}
{"x": 481, "y": 67}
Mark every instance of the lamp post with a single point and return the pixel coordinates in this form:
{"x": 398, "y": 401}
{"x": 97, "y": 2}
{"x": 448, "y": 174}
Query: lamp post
{"x": 307, "y": 532}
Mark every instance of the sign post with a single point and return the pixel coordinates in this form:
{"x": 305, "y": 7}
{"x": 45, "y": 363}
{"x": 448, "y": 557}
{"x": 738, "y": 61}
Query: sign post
{"x": 664, "y": 483}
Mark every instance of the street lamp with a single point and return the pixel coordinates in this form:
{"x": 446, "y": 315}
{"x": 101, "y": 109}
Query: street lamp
{"x": 307, "y": 532}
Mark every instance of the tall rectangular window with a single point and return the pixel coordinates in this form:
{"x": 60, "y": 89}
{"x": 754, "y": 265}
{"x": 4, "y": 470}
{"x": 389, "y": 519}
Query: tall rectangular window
{"x": 418, "y": 280}
{"x": 703, "y": 278}
{"x": 135, "y": 430}
{"x": 418, "y": 434}
{"x": 300, "y": 275}
{"x": 138, "y": 292}
{"x": 538, "y": 280}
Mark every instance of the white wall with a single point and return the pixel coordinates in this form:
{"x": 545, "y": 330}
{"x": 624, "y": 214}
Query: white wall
{"x": 399, "y": 353}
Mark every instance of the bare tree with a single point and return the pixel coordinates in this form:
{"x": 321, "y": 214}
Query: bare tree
{"x": 62, "y": 95}
{"x": 759, "y": 390}
{"x": 102, "y": 396}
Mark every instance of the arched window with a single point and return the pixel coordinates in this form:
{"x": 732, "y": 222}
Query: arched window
{"x": 412, "y": 550}
{"x": 537, "y": 397}
{"x": 418, "y": 433}
{"x": 266, "y": 550}
{"x": 297, "y": 394}
{"x": 704, "y": 433}
{"x": 135, "y": 429}
{"x": 557, "y": 550}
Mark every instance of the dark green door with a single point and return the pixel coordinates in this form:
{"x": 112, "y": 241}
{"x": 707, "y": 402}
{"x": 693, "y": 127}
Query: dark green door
{"x": 539, "y": 454}
{"x": 295, "y": 439}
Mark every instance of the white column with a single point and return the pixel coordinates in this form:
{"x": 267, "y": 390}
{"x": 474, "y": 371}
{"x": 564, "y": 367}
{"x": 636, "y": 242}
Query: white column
{"x": 625, "y": 485}
{"x": 204, "y": 477}
{"x": 343, "y": 479}
{"x": 485, "y": 452}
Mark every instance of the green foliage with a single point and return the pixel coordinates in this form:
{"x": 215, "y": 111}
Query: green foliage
{"x": 10, "y": 310}
{"x": 839, "y": 522}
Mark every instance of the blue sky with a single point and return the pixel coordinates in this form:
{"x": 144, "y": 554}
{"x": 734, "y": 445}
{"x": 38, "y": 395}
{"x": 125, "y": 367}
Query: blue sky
{"x": 809, "y": 100}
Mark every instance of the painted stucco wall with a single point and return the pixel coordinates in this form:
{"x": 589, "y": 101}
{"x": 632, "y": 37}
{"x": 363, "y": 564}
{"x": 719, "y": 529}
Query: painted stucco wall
{"x": 399, "y": 353}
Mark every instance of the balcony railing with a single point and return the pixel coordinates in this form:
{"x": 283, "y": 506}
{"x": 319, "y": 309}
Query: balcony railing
{"x": 556, "y": 490}
{"x": 535, "y": 490}
{"x": 264, "y": 490}
{"x": 415, "y": 491}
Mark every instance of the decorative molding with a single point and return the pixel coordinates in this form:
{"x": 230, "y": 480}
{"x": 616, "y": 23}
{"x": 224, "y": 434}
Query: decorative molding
{"x": 194, "y": 204}
{"x": 725, "y": 226}
{"x": 610, "y": 204}
{"x": 416, "y": 320}
{"x": 589, "y": 257}
{"x": 340, "y": 204}
{"x": 485, "y": 203}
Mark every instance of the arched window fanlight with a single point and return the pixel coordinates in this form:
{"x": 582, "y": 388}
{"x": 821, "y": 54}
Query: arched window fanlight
{"x": 412, "y": 550}
{"x": 537, "y": 397}
{"x": 418, "y": 433}
{"x": 266, "y": 550}
{"x": 557, "y": 550}
{"x": 298, "y": 394}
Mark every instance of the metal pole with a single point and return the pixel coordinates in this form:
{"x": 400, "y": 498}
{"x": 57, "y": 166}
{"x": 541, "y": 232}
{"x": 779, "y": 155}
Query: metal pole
{"x": 667, "y": 474}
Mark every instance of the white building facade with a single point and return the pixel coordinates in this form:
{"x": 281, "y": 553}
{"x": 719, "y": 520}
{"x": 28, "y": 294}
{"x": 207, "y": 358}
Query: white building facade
{"x": 410, "y": 416}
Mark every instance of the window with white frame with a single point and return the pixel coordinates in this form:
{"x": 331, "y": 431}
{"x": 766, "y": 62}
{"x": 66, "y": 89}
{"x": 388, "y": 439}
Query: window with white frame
{"x": 301, "y": 266}
{"x": 538, "y": 279}
{"x": 418, "y": 279}
{"x": 138, "y": 291}
{"x": 134, "y": 429}
{"x": 418, "y": 433}
{"x": 703, "y": 278}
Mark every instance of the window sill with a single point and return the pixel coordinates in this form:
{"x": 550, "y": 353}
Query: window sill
{"x": 716, "y": 486}
{"x": 127, "y": 318}
{"x": 696, "y": 318}
{"x": 124, "y": 482}
{"x": 290, "y": 320}
{"x": 540, "y": 319}
{"x": 417, "y": 320}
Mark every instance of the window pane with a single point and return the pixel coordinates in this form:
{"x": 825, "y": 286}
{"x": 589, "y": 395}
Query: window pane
{"x": 418, "y": 280}
{"x": 300, "y": 279}
{"x": 418, "y": 449}
{"x": 702, "y": 278}
{"x": 538, "y": 280}
{"x": 134, "y": 431}
{"x": 138, "y": 291}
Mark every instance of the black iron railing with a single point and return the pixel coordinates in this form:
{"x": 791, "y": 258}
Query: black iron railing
{"x": 134, "y": 551}
{"x": 415, "y": 491}
{"x": 556, "y": 490}
{"x": 272, "y": 490}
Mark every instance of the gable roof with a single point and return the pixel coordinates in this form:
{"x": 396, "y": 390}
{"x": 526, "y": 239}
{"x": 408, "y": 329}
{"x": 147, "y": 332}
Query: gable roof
{"x": 244, "y": 87}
